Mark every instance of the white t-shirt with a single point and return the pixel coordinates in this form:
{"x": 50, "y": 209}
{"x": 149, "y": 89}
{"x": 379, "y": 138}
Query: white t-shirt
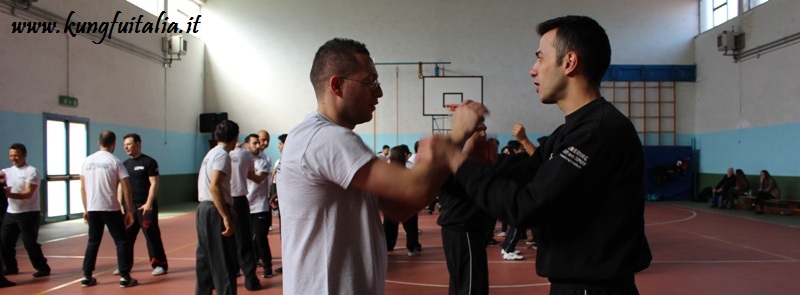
{"x": 258, "y": 194}
{"x": 333, "y": 241}
{"x": 216, "y": 159}
{"x": 17, "y": 179}
{"x": 241, "y": 163}
{"x": 101, "y": 173}
{"x": 276, "y": 170}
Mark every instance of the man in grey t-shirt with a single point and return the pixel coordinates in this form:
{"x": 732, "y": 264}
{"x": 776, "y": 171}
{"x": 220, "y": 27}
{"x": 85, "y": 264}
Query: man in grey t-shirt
{"x": 332, "y": 185}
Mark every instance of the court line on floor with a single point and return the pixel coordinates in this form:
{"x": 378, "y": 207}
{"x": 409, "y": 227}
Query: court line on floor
{"x": 447, "y": 286}
{"x": 105, "y": 271}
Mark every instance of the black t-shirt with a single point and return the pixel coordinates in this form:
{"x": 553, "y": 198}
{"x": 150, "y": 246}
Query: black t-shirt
{"x": 140, "y": 169}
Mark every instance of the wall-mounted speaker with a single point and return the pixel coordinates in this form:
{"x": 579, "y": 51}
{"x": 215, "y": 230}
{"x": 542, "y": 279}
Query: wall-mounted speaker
{"x": 208, "y": 121}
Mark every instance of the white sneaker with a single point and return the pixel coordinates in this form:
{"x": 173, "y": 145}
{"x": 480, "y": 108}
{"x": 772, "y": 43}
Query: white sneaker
{"x": 504, "y": 251}
{"x": 159, "y": 271}
{"x": 413, "y": 253}
{"x": 512, "y": 256}
{"x": 116, "y": 272}
{"x": 501, "y": 234}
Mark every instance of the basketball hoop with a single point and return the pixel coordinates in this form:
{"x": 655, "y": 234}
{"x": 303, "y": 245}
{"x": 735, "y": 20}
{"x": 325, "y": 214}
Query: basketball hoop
{"x": 452, "y": 107}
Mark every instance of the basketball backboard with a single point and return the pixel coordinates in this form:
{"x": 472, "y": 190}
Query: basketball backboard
{"x": 439, "y": 92}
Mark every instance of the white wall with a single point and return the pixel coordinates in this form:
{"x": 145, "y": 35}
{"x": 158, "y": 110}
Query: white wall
{"x": 745, "y": 108}
{"x": 112, "y": 85}
{"x": 259, "y": 53}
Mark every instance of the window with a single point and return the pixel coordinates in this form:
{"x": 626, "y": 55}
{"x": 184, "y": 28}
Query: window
{"x": 750, "y": 4}
{"x": 716, "y": 12}
{"x": 178, "y": 11}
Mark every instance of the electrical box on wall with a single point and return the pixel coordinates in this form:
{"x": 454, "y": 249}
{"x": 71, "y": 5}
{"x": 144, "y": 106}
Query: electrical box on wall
{"x": 725, "y": 41}
{"x": 730, "y": 40}
{"x": 174, "y": 45}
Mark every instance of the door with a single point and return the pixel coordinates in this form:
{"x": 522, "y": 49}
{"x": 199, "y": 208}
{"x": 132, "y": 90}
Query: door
{"x": 66, "y": 146}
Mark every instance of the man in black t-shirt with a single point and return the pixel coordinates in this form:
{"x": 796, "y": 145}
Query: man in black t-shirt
{"x": 143, "y": 172}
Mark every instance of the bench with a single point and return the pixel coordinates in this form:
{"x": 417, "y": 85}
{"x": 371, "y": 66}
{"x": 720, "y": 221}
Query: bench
{"x": 776, "y": 206}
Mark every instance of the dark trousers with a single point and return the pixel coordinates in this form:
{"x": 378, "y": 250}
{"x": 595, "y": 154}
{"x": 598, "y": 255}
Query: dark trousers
{"x": 27, "y": 225}
{"x": 512, "y": 237}
{"x": 215, "y": 264}
{"x": 115, "y": 222}
{"x": 244, "y": 240}
{"x": 260, "y": 223}
{"x": 148, "y": 224}
{"x": 411, "y": 226}
{"x": 465, "y": 253}
{"x": 761, "y": 196}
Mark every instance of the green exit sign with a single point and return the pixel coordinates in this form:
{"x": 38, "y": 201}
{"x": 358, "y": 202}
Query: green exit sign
{"x": 67, "y": 101}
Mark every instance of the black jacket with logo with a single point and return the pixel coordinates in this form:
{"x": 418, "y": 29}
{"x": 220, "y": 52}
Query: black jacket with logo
{"x": 583, "y": 190}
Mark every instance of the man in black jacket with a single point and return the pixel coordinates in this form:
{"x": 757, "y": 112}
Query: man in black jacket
{"x": 727, "y": 182}
{"x": 583, "y": 188}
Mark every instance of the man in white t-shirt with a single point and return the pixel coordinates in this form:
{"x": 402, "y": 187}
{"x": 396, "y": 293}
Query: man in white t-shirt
{"x": 215, "y": 265}
{"x": 242, "y": 170}
{"x": 332, "y": 186}
{"x": 101, "y": 173}
{"x": 22, "y": 216}
{"x": 257, "y": 194}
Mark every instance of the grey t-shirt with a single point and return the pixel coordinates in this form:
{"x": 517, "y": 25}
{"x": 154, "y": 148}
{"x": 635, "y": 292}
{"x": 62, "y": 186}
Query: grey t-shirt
{"x": 333, "y": 241}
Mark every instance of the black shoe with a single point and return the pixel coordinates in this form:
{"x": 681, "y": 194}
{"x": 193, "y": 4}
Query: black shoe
{"x": 41, "y": 273}
{"x": 88, "y": 282}
{"x": 130, "y": 282}
{"x": 10, "y": 272}
{"x": 7, "y": 283}
{"x": 279, "y": 270}
{"x": 268, "y": 274}
{"x": 712, "y": 206}
{"x": 493, "y": 242}
{"x": 252, "y": 285}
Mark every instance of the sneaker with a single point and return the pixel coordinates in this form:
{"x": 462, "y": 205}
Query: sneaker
{"x": 41, "y": 273}
{"x": 116, "y": 272}
{"x": 130, "y": 282}
{"x": 279, "y": 270}
{"x": 501, "y": 234}
{"x": 493, "y": 242}
{"x": 504, "y": 251}
{"x": 512, "y": 256}
{"x": 9, "y": 271}
{"x": 159, "y": 271}
{"x": 529, "y": 242}
{"x": 88, "y": 282}
{"x": 413, "y": 253}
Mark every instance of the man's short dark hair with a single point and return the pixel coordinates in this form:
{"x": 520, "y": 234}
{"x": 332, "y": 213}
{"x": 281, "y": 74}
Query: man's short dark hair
{"x": 20, "y": 148}
{"x": 136, "y": 137}
{"x": 252, "y": 135}
{"x": 416, "y": 147}
{"x": 107, "y": 138}
{"x": 226, "y": 131}
{"x": 584, "y": 36}
{"x": 385, "y": 147}
{"x": 514, "y": 145}
{"x": 335, "y": 57}
{"x": 282, "y": 137}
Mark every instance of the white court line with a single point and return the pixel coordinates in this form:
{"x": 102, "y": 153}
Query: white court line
{"x": 692, "y": 216}
{"x": 447, "y": 286}
{"x": 694, "y": 213}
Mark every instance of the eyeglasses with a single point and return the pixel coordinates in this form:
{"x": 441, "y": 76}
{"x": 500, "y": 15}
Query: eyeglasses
{"x": 373, "y": 84}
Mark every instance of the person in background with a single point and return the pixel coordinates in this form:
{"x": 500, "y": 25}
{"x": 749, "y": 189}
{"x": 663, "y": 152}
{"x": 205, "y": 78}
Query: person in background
{"x": 768, "y": 189}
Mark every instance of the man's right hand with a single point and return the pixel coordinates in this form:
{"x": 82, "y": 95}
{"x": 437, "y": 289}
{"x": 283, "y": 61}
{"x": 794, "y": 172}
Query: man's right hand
{"x": 228, "y": 230}
{"x": 519, "y": 132}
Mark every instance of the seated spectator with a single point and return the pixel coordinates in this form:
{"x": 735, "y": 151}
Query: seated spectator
{"x": 742, "y": 187}
{"x": 722, "y": 188}
{"x": 767, "y": 190}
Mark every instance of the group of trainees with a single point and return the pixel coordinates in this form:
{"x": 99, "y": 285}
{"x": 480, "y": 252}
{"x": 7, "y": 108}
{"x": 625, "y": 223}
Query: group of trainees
{"x": 115, "y": 194}
{"x": 734, "y": 184}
